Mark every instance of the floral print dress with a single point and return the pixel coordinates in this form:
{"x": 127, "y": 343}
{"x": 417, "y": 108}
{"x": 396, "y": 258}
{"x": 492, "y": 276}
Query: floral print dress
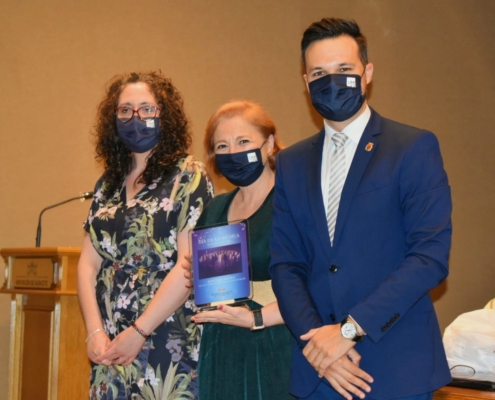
{"x": 137, "y": 242}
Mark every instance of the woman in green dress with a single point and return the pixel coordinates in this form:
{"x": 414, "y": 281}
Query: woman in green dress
{"x": 245, "y": 353}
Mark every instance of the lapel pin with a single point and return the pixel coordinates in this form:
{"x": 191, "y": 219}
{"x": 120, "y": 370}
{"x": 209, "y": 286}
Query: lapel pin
{"x": 369, "y": 146}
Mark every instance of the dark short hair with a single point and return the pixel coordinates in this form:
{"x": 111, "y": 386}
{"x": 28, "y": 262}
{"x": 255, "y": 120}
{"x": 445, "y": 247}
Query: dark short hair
{"x": 330, "y": 28}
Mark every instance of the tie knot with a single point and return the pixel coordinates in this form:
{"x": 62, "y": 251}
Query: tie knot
{"x": 339, "y": 139}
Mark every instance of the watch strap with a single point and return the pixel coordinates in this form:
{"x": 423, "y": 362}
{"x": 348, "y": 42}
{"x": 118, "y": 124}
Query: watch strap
{"x": 258, "y": 320}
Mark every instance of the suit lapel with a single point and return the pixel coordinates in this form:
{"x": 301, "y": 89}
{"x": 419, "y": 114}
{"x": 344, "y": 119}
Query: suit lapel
{"x": 364, "y": 151}
{"x": 314, "y": 191}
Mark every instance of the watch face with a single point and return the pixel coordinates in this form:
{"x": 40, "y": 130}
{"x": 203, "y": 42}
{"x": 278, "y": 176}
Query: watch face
{"x": 348, "y": 330}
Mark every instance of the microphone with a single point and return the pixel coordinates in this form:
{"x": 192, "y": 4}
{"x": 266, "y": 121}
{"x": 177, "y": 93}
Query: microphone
{"x": 84, "y": 196}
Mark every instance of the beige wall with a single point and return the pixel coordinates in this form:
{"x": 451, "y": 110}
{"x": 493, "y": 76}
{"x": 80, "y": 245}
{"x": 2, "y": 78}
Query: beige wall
{"x": 434, "y": 68}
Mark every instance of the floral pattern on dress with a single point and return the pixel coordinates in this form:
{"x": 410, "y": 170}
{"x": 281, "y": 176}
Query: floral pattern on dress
{"x": 137, "y": 240}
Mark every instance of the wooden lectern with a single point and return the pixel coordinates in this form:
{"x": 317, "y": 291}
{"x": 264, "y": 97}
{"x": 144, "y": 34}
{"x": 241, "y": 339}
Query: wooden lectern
{"x": 47, "y": 336}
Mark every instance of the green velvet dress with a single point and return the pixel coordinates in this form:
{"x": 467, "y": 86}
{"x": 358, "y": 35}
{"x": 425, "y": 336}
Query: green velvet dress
{"x": 236, "y": 363}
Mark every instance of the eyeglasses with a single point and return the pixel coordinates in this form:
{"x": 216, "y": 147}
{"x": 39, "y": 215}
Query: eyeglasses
{"x": 145, "y": 113}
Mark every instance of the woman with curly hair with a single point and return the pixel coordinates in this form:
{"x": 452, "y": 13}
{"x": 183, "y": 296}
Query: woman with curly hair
{"x": 141, "y": 340}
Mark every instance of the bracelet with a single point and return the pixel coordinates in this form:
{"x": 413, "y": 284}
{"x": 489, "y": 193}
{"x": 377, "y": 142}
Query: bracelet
{"x": 140, "y": 331}
{"x": 95, "y": 332}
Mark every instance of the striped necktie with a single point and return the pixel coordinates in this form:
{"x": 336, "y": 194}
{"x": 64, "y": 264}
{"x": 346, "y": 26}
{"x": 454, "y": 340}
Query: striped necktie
{"x": 337, "y": 171}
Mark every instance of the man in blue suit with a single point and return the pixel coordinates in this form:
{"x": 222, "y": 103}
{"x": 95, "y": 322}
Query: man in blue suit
{"x": 361, "y": 233}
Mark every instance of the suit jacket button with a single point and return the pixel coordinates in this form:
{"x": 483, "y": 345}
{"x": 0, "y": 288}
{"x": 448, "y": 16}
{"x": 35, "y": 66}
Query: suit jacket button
{"x": 384, "y": 328}
{"x": 332, "y": 317}
{"x": 388, "y": 324}
{"x": 397, "y": 315}
{"x": 334, "y": 268}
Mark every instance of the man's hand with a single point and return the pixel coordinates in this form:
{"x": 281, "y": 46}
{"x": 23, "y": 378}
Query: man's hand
{"x": 346, "y": 377}
{"x": 325, "y": 346}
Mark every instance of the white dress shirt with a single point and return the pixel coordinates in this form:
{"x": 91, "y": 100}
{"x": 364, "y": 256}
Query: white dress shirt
{"x": 354, "y": 131}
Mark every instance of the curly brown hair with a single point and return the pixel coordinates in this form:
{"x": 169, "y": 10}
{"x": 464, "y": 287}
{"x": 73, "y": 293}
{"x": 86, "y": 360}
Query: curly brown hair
{"x": 175, "y": 136}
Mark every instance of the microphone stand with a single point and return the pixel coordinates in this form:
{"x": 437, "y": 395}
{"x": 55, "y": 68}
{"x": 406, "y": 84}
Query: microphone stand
{"x": 84, "y": 196}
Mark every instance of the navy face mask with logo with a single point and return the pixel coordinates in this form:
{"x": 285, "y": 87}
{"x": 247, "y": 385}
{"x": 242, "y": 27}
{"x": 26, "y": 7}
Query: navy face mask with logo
{"x": 139, "y": 136}
{"x": 241, "y": 169}
{"x": 337, "y": 97}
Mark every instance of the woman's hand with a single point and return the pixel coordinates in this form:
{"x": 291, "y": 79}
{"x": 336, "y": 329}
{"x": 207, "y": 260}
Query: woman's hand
{"x": 87, "y": 271}
{"x": 236, "y": 316}
{"x": 187, "y": 266}
{"x": 123, "y": 350}
{"x": 97, "y": 345}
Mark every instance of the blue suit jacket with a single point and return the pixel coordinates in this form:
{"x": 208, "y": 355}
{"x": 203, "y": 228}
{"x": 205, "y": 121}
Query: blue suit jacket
{"x": 391, "y": 246}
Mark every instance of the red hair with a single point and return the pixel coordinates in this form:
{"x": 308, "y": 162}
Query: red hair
{"x": 250, "y": 112}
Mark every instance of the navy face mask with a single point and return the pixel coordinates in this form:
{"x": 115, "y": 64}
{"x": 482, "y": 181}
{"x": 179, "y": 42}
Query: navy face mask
{"x": 337, "y": 97}
{"x": 241, "y": 169}
{"x": 139, "y": 136}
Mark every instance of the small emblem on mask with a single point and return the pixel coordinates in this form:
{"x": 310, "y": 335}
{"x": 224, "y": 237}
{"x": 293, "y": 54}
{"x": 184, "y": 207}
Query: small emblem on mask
{"x": 369, "y": 146}
{"x": 252, "y": 157}
{"x": 351, "y": 81}
{"x": 150, "y": 123}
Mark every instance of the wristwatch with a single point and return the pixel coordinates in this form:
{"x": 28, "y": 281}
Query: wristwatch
{"x": 349, "y": 331}
{"x": 258, "y": 320}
